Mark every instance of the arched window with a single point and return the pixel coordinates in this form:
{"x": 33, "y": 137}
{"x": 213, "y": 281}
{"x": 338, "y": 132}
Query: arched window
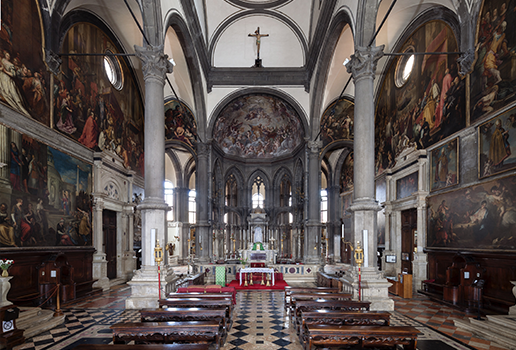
{"x": 192, "y": 207}
{"x": 324, "y": 205}
{"x": 258, "y": 193}
{"x": 169, "y": 199}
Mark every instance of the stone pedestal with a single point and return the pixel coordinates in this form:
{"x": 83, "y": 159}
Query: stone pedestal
{"x": 512, "y": 309}
{"x": 5, "y": 286}
{"x": 374, "y": 288}
{"x": 419, "y": 267}
{"x": 145, "y": 287}
{"x": 100, "y": 271}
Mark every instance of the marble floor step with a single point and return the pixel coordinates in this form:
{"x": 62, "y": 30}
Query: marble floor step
{"x": 487, "y": 330}
{"x": 508, "y": 321}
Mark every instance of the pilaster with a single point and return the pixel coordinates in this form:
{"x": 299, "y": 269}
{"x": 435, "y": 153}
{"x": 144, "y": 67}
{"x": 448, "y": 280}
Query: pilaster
{"x": 99, "y": 258}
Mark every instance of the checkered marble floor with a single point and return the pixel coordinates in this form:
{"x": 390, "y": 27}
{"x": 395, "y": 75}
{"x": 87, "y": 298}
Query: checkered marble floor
{"x": 260, "y": 322}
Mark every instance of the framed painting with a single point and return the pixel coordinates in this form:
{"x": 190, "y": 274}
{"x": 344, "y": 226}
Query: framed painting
{"x": 407, "y": 185}
{"x": 495, "y": 152}
{"x": 444, "y": 165}
{"x": 481, "y": 216}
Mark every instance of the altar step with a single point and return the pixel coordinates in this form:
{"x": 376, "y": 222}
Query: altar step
{"x": 34, "y": 321}
{"x": 500, "y": 329}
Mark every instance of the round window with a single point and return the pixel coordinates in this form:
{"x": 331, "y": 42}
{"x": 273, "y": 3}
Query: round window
{"x": 113, "y": 70}
{"x": 404, "y": 67}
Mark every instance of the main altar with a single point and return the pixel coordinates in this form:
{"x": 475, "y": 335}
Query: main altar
{"x": 260, "y": 249}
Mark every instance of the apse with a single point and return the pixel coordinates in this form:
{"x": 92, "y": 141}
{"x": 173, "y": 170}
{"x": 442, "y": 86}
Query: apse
{"x": 258, "y": 126}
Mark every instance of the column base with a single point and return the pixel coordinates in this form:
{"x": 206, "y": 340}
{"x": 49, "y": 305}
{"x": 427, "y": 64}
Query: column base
{"x": 100, "y": 271}
{"x": 374, "y": 288}
{"x": 145, "y": 288}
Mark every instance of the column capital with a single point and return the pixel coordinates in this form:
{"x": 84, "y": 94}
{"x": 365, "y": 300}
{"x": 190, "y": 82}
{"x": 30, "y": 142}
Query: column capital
{"x": 155, "y": 62}
{"x": 363, "y": 62}
{"x": 53, "y": 61}
{"x": 314, "y": 146}
{"x": 98, "y": 203}
{"x": 203, "y": 149}
{"x": 466, "y": 61}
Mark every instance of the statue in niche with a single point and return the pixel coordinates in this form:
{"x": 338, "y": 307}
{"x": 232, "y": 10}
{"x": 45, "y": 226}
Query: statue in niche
{"x": 258, "y": 238}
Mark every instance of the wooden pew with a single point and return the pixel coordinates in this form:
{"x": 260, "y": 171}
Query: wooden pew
{"x": 142, "y": 347}
{"x": 336, "y": 317}
{"x": 203, "y": 332}
{"x": 317, "y": 296}
{"x": 197, "y": 294}
{"x": 208, "y": 303}
{"x": 341, "y": 305}
{"x": 189, "y": 314}
{"x": 327, "y": 336}
{"x": 289, "y": 290}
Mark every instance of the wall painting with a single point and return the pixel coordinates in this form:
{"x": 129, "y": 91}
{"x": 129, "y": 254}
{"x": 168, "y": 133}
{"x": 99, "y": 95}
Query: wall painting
{"x": 258, "y": 126}
{"x": 346, "y": 174}
{"x": 47, "y": 198}
{"x": 91, "y": 109}
{"x": 24, "y": 81}
{"x": 337, "y": 122}
{"x": 406, "y": 186}
{"x": 444, "y": 165}
{"x": 494, "y": 71}
{"x": 429, "y": 106}
{"x": 481, "y": 216}
{"x": 496, "y": 154}
{"x": 180, "y": 123}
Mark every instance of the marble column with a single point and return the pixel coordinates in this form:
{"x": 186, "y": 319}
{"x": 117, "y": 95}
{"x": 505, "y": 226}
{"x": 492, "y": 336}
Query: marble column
{"x": 202, "y": 232}
{"x": 99, "y": 258}
{"x": 144, "y": 284}
{"x": 313, "y": 226}
{"x": 364, "y": 207}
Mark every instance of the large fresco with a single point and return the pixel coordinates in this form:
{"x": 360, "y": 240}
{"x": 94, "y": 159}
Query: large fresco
{"x": 46, "y": 199}
{"x": 180, "y": 123}
{"x": 88, "y": 108}
{"x": 24, "y": 81}
{"x": 481, "y": 216}
{"x": 429, "y": 106}
{"x": 258, "y": 126}
{"x": 494, "y": 72}
{"x": 337, "y": 122}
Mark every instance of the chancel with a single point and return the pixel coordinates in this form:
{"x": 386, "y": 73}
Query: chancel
{"x": 366, "y": 170}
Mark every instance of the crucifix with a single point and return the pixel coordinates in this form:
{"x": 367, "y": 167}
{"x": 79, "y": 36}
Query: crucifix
{"x": 258, "y": 36}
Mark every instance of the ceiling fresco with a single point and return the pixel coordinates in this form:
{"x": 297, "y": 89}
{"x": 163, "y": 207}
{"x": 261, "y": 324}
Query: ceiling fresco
{"x": 258, "y": 126}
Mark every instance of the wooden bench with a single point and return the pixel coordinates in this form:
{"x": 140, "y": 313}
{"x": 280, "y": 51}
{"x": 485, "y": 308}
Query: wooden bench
{"x": 200, "y": 295}
{"x": 336, "y": 317}
{"x": 341, "y": 305}
{"x": 290, "y": 290}
{"x": 317, "y": 296}
{"x": 202, "y": 332}
{"x": 189, "y": 314}
{"x": 226, "y": 304}
{"x": 327, "y": 336}
{"x": 142, "y": 347}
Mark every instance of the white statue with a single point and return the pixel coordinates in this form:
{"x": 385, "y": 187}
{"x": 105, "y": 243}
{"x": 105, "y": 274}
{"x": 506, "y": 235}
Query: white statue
{"x": 258, "y": 234}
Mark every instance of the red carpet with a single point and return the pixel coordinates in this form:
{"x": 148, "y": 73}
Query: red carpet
{"x": 280, "y": 285}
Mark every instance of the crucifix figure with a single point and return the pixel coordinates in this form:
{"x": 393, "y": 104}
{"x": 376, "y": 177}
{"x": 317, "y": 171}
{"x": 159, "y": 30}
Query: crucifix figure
{"x": 258, "y": 37}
